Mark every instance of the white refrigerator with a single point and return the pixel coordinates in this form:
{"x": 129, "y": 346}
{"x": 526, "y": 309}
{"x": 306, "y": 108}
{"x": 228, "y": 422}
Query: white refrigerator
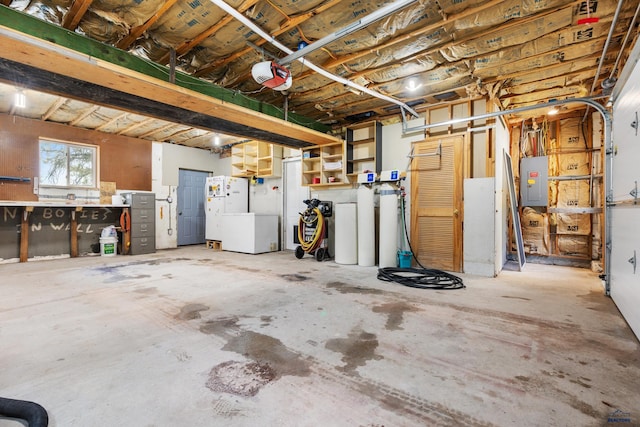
{"x": 224, "y": 194}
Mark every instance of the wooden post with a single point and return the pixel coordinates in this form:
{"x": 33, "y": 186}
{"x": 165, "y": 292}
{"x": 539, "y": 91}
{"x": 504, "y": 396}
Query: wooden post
{"x": 74, "y": 232}
{"x": 24, "y": 234}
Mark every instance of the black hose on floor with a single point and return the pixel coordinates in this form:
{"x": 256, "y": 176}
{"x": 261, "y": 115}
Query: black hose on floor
{"x": 34, "y": 414}
{"x": 422, "y": 278}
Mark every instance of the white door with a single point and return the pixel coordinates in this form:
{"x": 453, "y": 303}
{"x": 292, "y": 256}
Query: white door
{"x": 625, "y": 235}
{"x": 294, "y": 194}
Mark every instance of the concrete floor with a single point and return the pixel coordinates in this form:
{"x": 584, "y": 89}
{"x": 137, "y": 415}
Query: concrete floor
{"x": 193, "y": 337}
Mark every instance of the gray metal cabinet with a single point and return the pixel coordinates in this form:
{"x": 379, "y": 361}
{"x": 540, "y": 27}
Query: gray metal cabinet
{"x": 143, "y": 222}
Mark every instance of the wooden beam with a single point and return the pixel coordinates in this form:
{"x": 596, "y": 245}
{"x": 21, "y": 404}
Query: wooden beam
{"x": 84, "y": 115}
{"x": 79, "y": 46}
{"x": 160, "y": 129}
{"x": 135, "y": 126}
{"x": 190, "y": 44}
{"x": 112, "y": 121}
{"x": 137, "y": 31}
{"x": 55, "y": 69}
{"x": 75, "y": 14}
{"x": 288, "y": 24}
{"x": 53, "y": 108}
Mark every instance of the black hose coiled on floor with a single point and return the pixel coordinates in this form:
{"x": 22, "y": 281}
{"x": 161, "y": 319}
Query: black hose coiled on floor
{"x": 34, "y": 414}
{"x": 422, "y": 278}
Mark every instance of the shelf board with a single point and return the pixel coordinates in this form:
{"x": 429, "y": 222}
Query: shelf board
{"x": 237, "y": 164}
{"x": 362, "y": 141}
{"x": 330, "y": 184}
{"x": 362, "y": 159}
{"x": 316, "y": 172}
{"x": 332, "y": 156}
{"x": 363, "y": 125}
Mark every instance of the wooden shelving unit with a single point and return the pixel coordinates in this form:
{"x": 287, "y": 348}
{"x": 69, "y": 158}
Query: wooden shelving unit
{"x": 325, "y": 165}
{"x": 364, "y": 145}
{"x": 256, "y": 158}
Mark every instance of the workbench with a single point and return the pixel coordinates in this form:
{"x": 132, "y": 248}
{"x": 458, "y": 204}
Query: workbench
{"x": 52, "y": 221}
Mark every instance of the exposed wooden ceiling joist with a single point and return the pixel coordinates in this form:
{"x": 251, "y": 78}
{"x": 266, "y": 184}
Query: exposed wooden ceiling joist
{"x": 75, "y": 14}
{"x": 57, "y": 70}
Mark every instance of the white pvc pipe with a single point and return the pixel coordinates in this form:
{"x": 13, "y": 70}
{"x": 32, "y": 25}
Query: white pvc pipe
{"x": 268, "y": 37}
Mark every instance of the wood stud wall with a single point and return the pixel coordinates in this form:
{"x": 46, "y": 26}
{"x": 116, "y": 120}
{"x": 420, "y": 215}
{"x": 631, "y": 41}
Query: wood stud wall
{"x": 561, "y": 230}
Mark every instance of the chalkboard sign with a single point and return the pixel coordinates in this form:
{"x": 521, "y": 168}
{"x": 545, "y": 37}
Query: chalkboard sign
{"x": 50, "y": 230}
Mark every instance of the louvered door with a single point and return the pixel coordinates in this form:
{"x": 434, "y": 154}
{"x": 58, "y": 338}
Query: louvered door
{"x": 436, "y": 203}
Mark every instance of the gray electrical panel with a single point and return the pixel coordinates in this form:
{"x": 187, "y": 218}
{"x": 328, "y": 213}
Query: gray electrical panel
{"x": 534, "y": 178}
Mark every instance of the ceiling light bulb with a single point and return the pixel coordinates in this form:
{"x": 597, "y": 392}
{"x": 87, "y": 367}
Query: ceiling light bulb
{"x": 413, "y": 86}
{"x": 553, "y": 111}
{"x": 20, "y": 100}
{"x": 216, "y": 140}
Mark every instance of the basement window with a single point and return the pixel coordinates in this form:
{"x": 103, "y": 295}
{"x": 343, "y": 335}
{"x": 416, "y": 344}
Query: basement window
{"x": 67, "y": 165}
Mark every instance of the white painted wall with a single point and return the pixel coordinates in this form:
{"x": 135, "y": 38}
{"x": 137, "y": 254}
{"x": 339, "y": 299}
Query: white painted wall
{"x": 167, "y": 160}
{"x": 175, "y": 157}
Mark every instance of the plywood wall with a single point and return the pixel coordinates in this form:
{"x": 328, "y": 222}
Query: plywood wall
{"x": 123, "y": 160}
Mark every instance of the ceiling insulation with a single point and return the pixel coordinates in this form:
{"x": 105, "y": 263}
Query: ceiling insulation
{"x": 518, "y": 52}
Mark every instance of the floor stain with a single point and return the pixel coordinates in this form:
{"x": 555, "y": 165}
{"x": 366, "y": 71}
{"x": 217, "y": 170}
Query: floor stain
{"x": 345, "y": 288}
{"x": 147, "y": 290}
{"x": 252, "y": 270}
{"x": 261, "y": 348}
{"x": 265, "y": 349}
{"x": 266, "y": 320}
{"x": 512, "y": 297}
{"x": 580, "y": 383}
{"x": 220, "y": 327}
{"x": 294, "y": 277}
{"x": 191, "y": 311}
{"x": 357, "y": 349}
{"x": 240, "y": 378}
{"x": 395, "y": 314}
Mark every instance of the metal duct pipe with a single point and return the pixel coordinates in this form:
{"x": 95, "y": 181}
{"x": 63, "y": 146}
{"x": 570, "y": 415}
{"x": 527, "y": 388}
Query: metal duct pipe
{"x": 606, "y": 47}
{"x": 624, "y": 42}
{"x": 269, "y": 38}
{"x": 608, "y": 167}
{"x": 351, "y": 28}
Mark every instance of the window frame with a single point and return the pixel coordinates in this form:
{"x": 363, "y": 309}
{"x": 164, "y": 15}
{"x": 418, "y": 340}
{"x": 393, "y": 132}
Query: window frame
{"x": 68, "y": 144}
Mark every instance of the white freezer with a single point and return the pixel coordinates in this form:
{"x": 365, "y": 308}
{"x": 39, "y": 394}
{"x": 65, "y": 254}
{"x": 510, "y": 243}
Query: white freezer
{"x": 249, "y": 233}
